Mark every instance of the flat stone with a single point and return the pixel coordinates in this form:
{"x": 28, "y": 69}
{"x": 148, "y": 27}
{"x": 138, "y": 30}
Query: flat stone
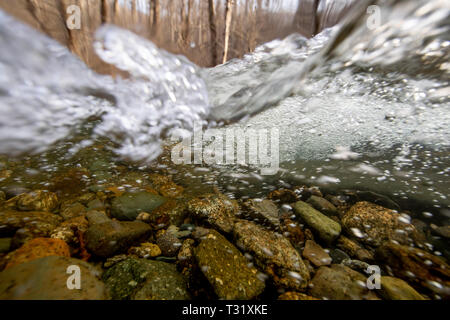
{"x": 263, "y": 210}
{"x": 142, "y": 279}
{"x": 339, "y": 282}
{"x": 273, "y": 253}
{"x": 327, "y": 229}
{"x": 322, "y": 205}
{"x": 418, "y": 267}
{"x": 108, "y": 238}
{"x": 397, "y": 289}
{"x": 227, "y": 269}
{"x": 47, "y": 278}
{"x": 316, "y": 254}
{"x": 129, "y": 205}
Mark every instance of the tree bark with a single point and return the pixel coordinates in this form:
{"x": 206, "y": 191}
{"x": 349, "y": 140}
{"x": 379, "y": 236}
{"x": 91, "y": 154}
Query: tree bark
{"x": 156, "y": 9}
{"x": 213, "y": 31}
{"x": 228, "y": 16}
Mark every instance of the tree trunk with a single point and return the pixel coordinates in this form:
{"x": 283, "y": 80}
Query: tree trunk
{"x": 228, "y": 15}
{"x": 213, "y": 31}
{"x": 156, "y": 9}
{"x": 104, "y": 11}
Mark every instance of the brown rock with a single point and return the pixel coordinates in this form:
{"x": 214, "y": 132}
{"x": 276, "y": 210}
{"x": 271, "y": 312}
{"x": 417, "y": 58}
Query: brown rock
{"x": 274, "y": 253}
{"x": 46, "y": 279}
{"x": 24, "y": 226}
{"x": 226, "y": 269}
{"x": 323, "y": 205}
{"x": 291, "y": 295}
{"x": 38, "y": 248}
{"x": 145, "y": 250}
{"x": 416, "y": 266}
{"x": 353, "y": 249}
{"x": 38, "y": 200}
{"x": 316, "y": 254}
{"x": 374, "y": 224}
{"x": 72, "y": 210}
{"x": 339, "y": 282}
{"x": 215, "y": 209}
{"x": 69, "y": 229}
{"x": 264, "y": 211}
{"x": 283, "y": 196}
{"x": 397, "y": 289}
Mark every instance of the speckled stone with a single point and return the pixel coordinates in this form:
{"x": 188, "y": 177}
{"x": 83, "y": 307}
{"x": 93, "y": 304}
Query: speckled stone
{"x": 273, "y": 253}
{"x": 227, "y": 269}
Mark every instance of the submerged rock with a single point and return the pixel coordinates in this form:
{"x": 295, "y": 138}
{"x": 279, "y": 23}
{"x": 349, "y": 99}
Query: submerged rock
{"x": 215, "y": 209}
{"x": 38, "y": 200}
{"x": 38, "y": 248}
{"x": 323, "y": 205}
{"x": 339, "y": 282}
{"x": 262, "y": 210}
{"x": 145, "y": 250}
{"x": 47, "y": 279}
{"x": 354, "y": 249}
{"x": 5, "y": 245}
{"x": 142, "y": 279}
{"x": 374, "y": 224}
{"x": 416, "y": 266}
{"x": 316, "y": 254}
{"x": 165, "y": 186}
{"x": 96, "y": 217}
{"x": 443, "y": 231}
{"x": 397, "y": 289}
{"x": 169, "y": 244}
{"x": 227, "y": 269}
{"x": 72, "y": 210}
{"x": 23, "y": 226}
{"x": 129, "y": 205}
{"x": 173, "y": 211}
{"x": 291, "y": 295}
{"x": 70, "y": 230}
{"x": 283, "y": 196}
{"x": 273, "y": 253}
{"x": 107, "y": 238}
{"x": 327, "y": 229}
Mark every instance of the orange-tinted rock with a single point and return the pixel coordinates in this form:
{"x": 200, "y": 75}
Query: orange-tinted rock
{"x": 416, "y": 266}
{"x": 283, "y": 196}
{"x": 316, "y": 254}
{"x": 292, "y": 295}
{"x": 374, "y": 224}
{"x": 39, "y": 248}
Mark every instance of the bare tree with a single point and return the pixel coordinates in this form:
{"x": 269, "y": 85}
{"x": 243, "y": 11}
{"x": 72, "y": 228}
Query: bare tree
{"x": 228, "y": 16}
{"x": 154, "y": 15}
{"x": 213, "y": 31}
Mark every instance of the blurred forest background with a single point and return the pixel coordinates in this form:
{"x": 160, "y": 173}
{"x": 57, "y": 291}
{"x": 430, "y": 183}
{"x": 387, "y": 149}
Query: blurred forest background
{"x": 208, "y": 32}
